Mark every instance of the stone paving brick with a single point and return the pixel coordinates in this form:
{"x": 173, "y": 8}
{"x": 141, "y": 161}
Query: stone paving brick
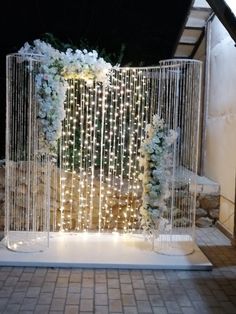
{"x": 74, "y": 287}
{"x": 71, "y": 309}
{"x": 228, "y": 307}
{"x": 64, "y": 273}
{"x": 88, "y": 282}
{"x": 57, "y": 304}
{"x": 159, "y": 310}
{"x": 138, "y": 284}
{"x": 140, "y": 294}
{"x": 41, "y": 309}
{"x": 21, "y": 286}
{"x": 167, "y": 295}
{"x": 45, "y": 298}
{"x": 51, "y": 277}
{"x": 36, "y": 281}
{"x": 172, "y": 307}
{"x": 12, "y": 309}
{"x": 101, "y": 309}
{"x": 183, "y": 300}
{"x": 62, "y": 282}
{"x": 144, "y": 307}
{"x": 73, "y": 298}
{"x": 6, "y": 292}
{"x": 135, "y": 274}
{"x": 16, "y": 297}
{"x": 11, "y": 281}
{"x": 88, "y": 273}
{"x": 130, "y": 310}
{"x": 101, "y": 299}
{"x": 3, "y": 303}
{"x": 54, "y": 290}
{"x": 75, "y": 277}
{"x": 125, "y": 278}
{"x": 48, "y": 287}
{"x": 113, "y": 283}
{"x": 86, "y": 305}
{"x": 113, "y": 294}
{"x": 101, "y": 288}
{"x": 28, "y": 304}
{"x": 152, "y": 289}
{"x": 115, "y": 306}
{"x": 156, "y": 300}
{"x": 33, "y": 292}
{"x": 149, "y": 279}
{"x": 126, "y": 288}
{"x": 26, "y": 276}
{"x": 128, "y": 300}
{"x": 188, "y": 310}
{"x": 100, "y": 278}
{"x": 40, "y": 271}
{"x": 87, "y": 293}
{"x": 60, "y": 292}
{"x": 112, "y": 273}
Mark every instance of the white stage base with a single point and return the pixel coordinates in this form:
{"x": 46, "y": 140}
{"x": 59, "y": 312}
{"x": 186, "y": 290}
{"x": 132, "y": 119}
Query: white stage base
{"x": 94, "y": 250}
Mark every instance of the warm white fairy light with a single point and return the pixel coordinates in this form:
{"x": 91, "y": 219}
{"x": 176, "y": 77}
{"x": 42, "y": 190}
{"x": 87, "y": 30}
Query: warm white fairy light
{"x": 101, "y": 136}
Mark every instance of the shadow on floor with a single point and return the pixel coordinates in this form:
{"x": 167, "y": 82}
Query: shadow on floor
{"x": 222, "y": 255}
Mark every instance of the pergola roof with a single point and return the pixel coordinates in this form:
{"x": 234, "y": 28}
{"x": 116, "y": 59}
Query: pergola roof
{"x": 193, "y": 30}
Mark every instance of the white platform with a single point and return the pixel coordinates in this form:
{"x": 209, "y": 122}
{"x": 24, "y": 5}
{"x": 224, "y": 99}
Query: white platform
{"x": 103, "y": 251}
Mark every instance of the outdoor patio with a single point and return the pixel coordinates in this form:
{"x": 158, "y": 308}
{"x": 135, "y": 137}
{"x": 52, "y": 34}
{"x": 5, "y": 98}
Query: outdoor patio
{"x": 54, "y": 290}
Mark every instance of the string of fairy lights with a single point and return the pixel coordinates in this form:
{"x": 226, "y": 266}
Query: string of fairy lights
{"x": 99, "y": 151}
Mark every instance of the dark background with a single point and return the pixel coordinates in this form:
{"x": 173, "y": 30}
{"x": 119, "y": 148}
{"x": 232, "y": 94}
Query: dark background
{"x": 133, "y": 33}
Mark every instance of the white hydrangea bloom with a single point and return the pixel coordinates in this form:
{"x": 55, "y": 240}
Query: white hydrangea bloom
{"x": 156, "y": 161}
{"x": 51, "y": 84}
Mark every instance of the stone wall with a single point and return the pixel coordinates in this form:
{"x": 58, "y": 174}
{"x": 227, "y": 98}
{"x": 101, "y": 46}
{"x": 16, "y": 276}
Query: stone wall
{"x": 207, "y": 212}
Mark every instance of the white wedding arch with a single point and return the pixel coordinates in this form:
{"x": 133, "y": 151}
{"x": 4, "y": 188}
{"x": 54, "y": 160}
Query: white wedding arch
{"x": 73, "y": 147}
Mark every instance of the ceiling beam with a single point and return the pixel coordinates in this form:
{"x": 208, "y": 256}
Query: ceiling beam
{"x": 225, "y": 15}
{"x": 182, "y": 28}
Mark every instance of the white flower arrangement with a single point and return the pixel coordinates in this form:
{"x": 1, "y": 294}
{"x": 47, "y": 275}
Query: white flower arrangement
{"x": 155, "y": 160}
{"x": 51, "y": 83}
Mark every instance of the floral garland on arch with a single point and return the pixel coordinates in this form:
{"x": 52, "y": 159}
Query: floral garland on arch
{"x": 156, "y": 160}
{"x": 51, "y": 84}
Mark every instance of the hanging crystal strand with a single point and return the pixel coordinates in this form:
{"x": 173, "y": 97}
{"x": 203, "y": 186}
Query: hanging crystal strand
{"x": 115, "y": 145}
{"x": 174, "y": 125}
{"x": 80, "y": 156}
{"x": 73, "y": 150}
{"x": 136, "y": 111}
{"x": 109, "y": 214}
{"x": 115, "y": 114}
{"x": 64, "y": 179}
{"x": 129, "y": 130}
{"x": 86, "y": 161}
{"x": 134, "y": 117}
{"x": 105, "y": 161}
{"x": 127, "y": 139}
{"x": 92, "y": 154}
{"x": 101, "y": 174}
{"x": 26, "y": 226}
{"x": 83, "y": 159}
{"x": 132, "y": 135}
{"x": 90, "y": 143}
{"x": 118, "y": 154}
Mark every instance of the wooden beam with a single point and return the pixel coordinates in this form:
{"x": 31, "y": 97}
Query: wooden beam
{"x": 201, "y": 9}
{"x": 195, "y": 28}
{"x": 198, "y": 43}
{"x": 182, "y": 28}
{"x": 184, "y": 43}
{"x": 225, "y": 15}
